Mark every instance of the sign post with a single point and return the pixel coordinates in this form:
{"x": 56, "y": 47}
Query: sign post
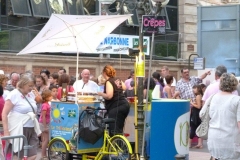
{"x": 199, "y": 63}
{"x": 155, "y": 25}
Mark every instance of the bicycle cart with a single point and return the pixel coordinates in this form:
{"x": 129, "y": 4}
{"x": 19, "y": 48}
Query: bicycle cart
{"x": 66, "y": 144}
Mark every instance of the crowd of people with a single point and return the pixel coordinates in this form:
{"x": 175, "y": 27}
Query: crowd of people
{"x": 222, "y": 95}
{"x": 30, "y": 94}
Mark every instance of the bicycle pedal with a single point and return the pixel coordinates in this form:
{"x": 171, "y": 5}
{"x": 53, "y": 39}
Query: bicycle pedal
{"x": 115, "y": 157}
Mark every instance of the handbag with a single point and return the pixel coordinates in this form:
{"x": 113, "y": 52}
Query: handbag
{"x": 202, "y": 130}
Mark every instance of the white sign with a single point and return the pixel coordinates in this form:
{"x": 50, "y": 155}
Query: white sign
{"x": 119, "y": 44}
{"x": 181, "y": 134}
{"x": 199, "y": 63}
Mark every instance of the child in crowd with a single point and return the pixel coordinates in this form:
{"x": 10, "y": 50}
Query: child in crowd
{"x": 64, "y": 78}
{"x": 195, "y": 121}
{"x": 54, "y": 90}
{"x": 204, "y": 87}
{"x": 45, "y": 120}
{"x": 167, "y": 90}
{"x": 151, "y": 88}
{"x": 54, "y": 79}
{"x": 130, "y": 91}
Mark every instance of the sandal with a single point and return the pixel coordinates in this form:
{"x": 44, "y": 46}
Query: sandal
{"x": 198, "y": 147}
{"x": 44, "y": 158}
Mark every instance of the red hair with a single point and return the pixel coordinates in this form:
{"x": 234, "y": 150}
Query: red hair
{"x": 110, "y": 71}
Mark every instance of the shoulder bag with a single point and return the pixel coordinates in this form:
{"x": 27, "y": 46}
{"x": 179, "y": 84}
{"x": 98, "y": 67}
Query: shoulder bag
{"x": 202, "y": 130}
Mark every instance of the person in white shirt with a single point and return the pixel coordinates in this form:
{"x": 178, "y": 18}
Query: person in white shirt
{"x": 18, "y": 115}
{"x": 85, "y": 84}
{"x": 164, "y": 73}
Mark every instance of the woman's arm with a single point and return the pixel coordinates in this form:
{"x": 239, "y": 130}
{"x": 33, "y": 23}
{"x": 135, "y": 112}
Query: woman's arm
{"x": 38, "y": 97}
{"x": 176, "y": 95}
{"x": 144, "y": 93}
{"x": 109, "y": 91}
{"x": 6, "y": 109}
{"x": 123, "y": 86}
{"x": 198, "y": 103}
{"x": 44, "y": 119}
{"x": 169, "y": 92}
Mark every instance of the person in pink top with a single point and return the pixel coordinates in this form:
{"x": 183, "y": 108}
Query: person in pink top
{"x": 64, "y": 78}
{"x": 129, "y": 80}
{"x": 214, "y": 87}
{"x": 44, "y": 121}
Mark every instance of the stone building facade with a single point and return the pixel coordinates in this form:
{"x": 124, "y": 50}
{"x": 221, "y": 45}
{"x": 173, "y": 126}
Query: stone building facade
{"x": 22, "y": 63}
{"x": 188, "y": 23}
{"x": 186, "y": 40}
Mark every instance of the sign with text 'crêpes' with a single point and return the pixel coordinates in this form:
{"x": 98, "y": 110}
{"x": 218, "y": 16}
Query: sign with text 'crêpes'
{"x": 156, "y": 24}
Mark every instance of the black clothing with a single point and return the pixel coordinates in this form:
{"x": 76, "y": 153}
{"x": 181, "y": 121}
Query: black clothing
{"x": 129, "y": 93}
{"x": 195, "y": 121}
{"x": 117, "y": 107}
{"x": 194, "y": 116}
{"x": 118, "y": 96}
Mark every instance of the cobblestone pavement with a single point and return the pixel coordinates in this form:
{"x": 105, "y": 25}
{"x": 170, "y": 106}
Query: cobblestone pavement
{"x": 199, "y": 154}
{"x": 194, "y": 154}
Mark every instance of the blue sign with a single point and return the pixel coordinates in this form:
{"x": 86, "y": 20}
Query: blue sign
{"x": 65, "y": 123}
{"x": 169, "y": 130}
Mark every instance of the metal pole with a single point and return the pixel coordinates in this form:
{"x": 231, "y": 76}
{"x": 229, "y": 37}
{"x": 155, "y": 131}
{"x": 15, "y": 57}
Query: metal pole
{"x": 149, "y": 76}
{"x": 140, "y": 112}
{"x": 190, "y": 58}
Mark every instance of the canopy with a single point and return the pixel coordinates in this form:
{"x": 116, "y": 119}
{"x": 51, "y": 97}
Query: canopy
{"x": 73, "y": 33}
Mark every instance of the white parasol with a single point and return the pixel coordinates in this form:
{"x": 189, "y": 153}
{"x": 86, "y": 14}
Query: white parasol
{"x": 73, "y": 33}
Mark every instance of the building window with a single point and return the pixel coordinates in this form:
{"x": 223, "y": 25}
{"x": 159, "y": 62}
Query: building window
{"x": 173, "y": 18}
{"x": 3, "y": 7}
{"x": 4, "y": 40}
{"x": 172, "y": 14}
{"x": 21, "y": 7}
{"x": 219, "y": 25}
{"x": 166, "y": 49}
{"x": 19, "y": 36}
{"x": 172, "y": 3}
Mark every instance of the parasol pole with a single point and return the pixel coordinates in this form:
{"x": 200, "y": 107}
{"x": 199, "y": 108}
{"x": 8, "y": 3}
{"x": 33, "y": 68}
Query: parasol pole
{"x": 76, "y": 95}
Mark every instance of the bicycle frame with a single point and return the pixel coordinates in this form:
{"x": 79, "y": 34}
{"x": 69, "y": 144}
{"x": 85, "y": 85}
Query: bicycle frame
{"x": 103, "y": 150}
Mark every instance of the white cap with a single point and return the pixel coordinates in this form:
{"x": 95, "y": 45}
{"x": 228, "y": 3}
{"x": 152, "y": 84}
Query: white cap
{"x": 1, "y": 72}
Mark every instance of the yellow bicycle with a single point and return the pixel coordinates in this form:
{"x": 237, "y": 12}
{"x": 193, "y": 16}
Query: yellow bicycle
{"x": 116, "y": 147}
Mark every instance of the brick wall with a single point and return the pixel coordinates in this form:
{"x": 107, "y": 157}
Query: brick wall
{"x": 173, "y": 73}
{"x": 11, "y": 62}
{"x": 12, "y": 68}
{"x": 123, "y": 74}
{"x": 72, "y": 71}
{"x": 37, "y": 69}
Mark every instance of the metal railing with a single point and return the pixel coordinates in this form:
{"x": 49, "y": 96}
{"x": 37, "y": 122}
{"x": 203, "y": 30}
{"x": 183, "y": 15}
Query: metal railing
{"x": 25, "y": 146}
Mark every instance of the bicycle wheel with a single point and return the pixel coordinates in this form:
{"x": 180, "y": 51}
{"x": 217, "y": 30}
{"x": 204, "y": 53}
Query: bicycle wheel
{"x": 122, "y": 147}
{"x": 57, "y": 150}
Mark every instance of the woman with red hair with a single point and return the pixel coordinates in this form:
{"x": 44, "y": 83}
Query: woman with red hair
{"x": 115, "y": 102}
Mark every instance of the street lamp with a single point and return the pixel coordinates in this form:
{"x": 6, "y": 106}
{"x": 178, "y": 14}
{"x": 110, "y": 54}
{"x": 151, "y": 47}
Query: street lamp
{"x": 147, "y": 7}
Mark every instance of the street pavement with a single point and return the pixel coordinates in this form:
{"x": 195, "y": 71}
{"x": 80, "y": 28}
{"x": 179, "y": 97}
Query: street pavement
{"x": 199, "y": 154}
{"x": 194, "y": 154}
